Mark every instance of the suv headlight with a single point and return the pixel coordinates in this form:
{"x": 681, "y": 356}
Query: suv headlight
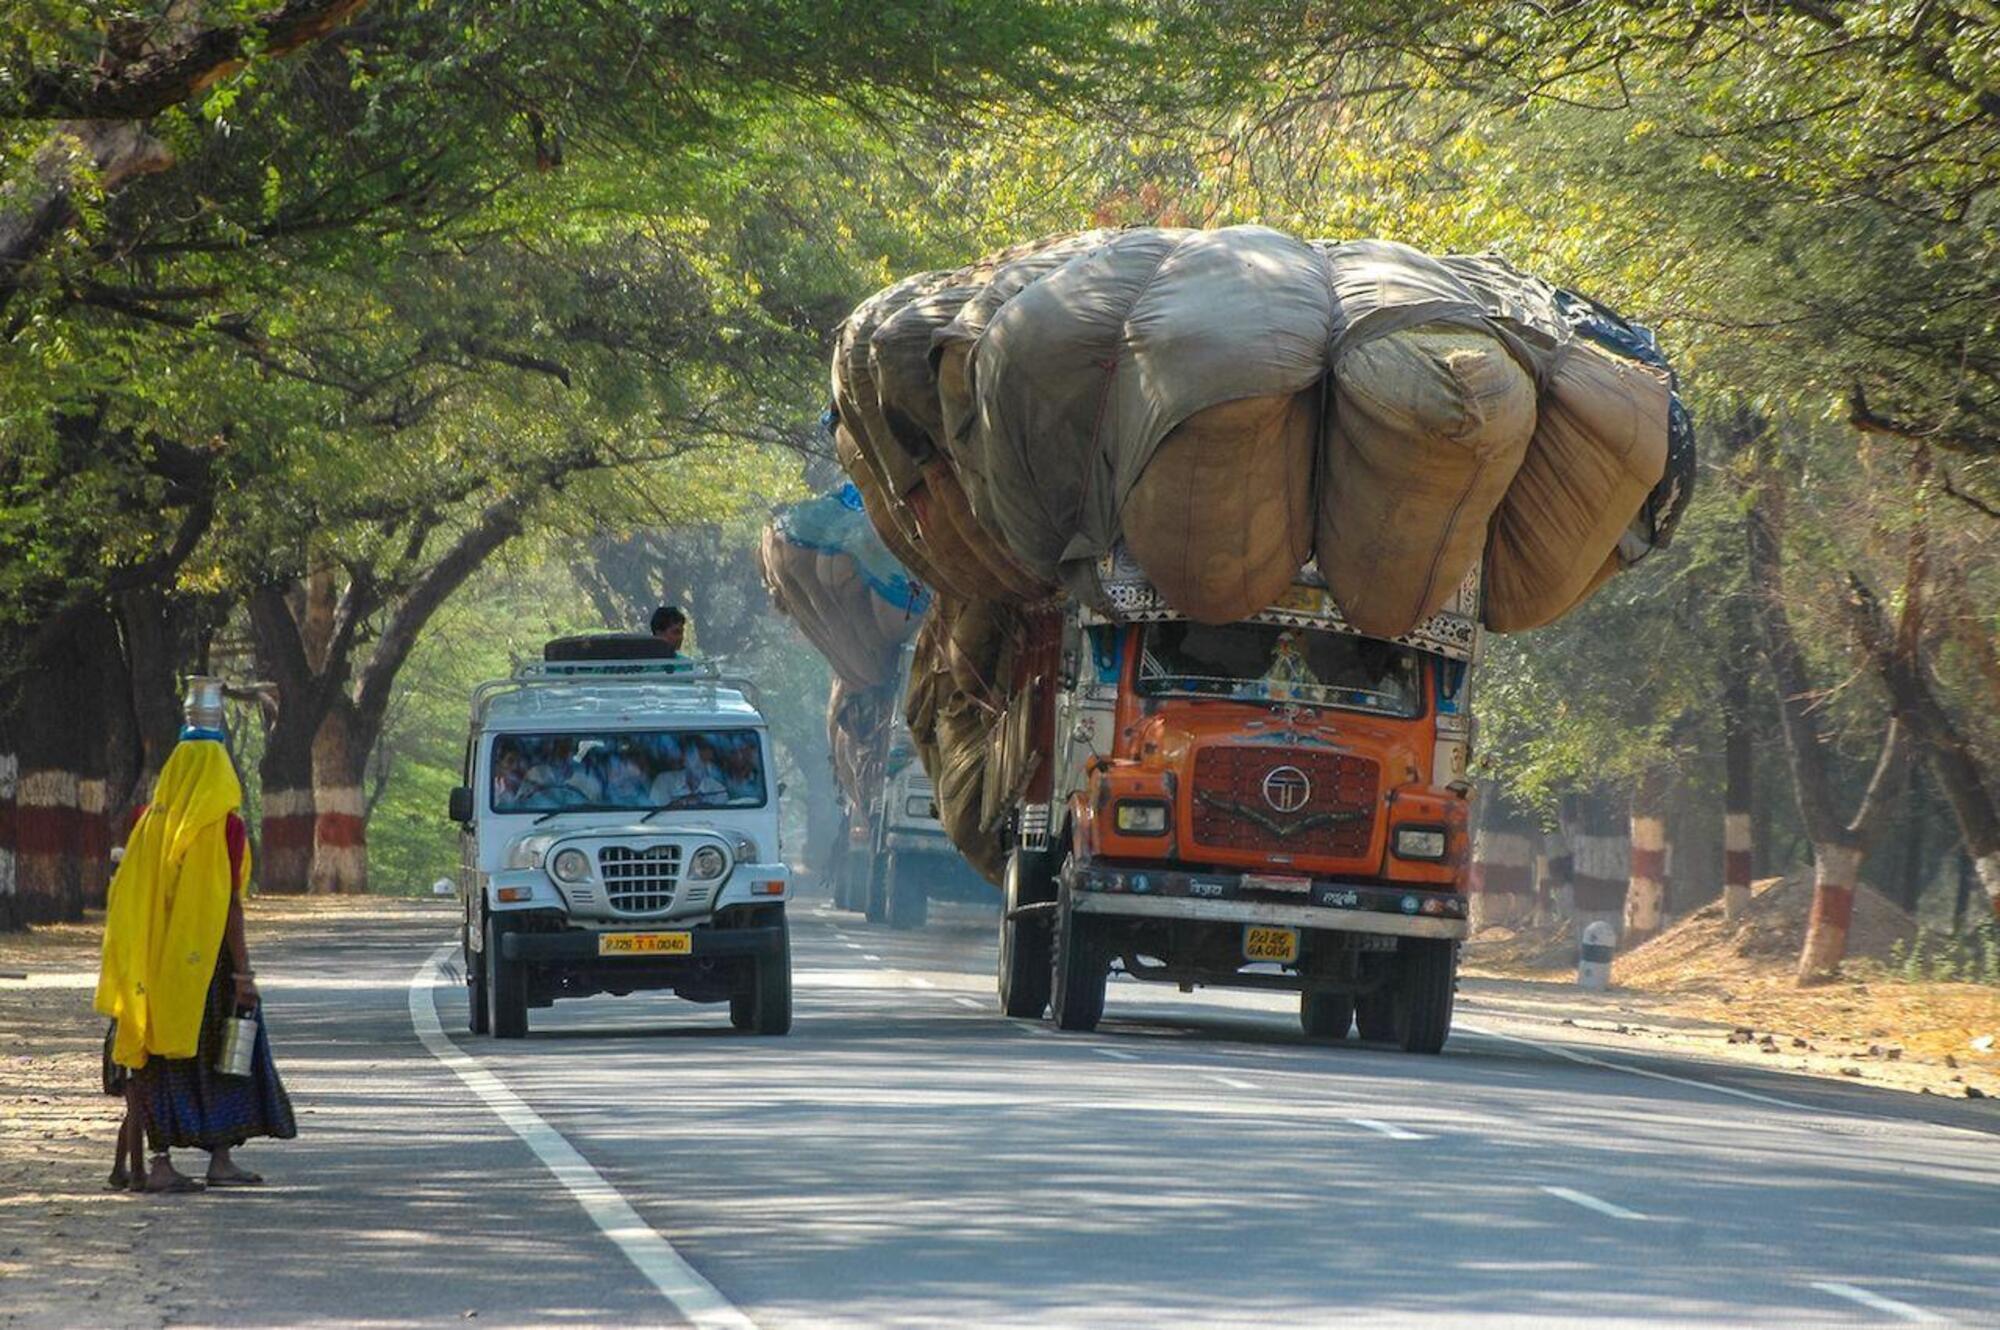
{"x": 570, "y": 866}
{"x": 1420, "y": 843}
{"x": 705, "y": 863}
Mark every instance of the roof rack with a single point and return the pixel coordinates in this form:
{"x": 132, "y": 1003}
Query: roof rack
{"x": 682, "y": 672}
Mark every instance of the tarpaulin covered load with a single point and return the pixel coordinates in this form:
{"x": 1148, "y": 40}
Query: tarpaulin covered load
{"x": 855, "y": 718}
{"x": 827, "y": 570}
{"x": 1080, "y": 377}
{"x": 956, "y": 707}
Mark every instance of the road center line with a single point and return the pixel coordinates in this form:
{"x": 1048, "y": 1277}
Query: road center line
{"x": 691, "y": 1296}
{"x": 1902, "y": 1311}
{"x": 1389, "y": 1129}
{"x": 1232, "y": 1082}
{"x": 964, "y": 1001}
{"x": 1118, "y": 1053}
{"x": 921, "y": 983}
{"x": 1589, "y": 1202}
{"x": 870, "y": 956}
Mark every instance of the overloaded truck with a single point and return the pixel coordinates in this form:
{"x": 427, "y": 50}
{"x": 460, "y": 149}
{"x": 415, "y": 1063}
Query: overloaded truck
{"x": 1211, "y": 522}
{"x": 1275, "y": 803}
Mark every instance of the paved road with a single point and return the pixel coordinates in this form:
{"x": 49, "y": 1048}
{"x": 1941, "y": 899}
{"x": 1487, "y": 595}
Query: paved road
{"x": 907, "y": 1157}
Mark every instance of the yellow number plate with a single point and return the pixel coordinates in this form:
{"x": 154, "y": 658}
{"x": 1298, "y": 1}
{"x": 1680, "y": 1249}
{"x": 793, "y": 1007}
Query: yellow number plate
{"x": 645, "y": 944}
{"x": 1270, "y": 944}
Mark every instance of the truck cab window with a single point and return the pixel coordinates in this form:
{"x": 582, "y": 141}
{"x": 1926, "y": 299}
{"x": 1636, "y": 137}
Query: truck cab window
{"x": 1257, "y": 662}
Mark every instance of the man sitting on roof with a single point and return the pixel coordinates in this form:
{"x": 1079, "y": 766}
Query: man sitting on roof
{"x": 670, "y": 626}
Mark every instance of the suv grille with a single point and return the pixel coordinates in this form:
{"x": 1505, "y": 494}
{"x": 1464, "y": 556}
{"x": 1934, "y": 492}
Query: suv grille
{"x": 1334, "y": 819}
{"x": 639, "y": 881}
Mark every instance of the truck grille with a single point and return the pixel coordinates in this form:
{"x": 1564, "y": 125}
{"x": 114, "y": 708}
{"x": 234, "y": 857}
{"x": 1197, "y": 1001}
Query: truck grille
{"x": 639, "y": 881}
{"x": 1334, "y": 817}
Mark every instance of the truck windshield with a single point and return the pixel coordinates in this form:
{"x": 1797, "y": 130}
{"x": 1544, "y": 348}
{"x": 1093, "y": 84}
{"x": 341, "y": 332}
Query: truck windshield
{"x": 636, "y": 770}
{"x": 1255, "y": 662}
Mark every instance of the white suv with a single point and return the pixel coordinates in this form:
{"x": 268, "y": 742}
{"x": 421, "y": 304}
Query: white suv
{"x": 619, "y": 826}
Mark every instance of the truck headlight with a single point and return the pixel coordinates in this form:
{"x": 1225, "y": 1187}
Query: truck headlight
{"x": 705, "y": 863}
{"x": 1420, "y": 843}
{"x": 1141, "y": 817}
{"x": 570, "y": 866}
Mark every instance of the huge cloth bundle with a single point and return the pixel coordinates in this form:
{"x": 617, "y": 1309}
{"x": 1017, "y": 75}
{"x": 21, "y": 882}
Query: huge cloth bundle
{"x": 855, "y": 718}
{"x": 827, "y": 570}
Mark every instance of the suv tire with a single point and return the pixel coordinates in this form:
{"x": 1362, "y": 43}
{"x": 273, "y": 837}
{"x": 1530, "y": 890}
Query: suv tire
{"x": 766, "y": 1008}
{"x": 477, "y": 1017}
{"x": 506, "y": 986}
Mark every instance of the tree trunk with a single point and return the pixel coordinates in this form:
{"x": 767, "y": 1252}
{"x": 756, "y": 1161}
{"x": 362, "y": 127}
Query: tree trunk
{"x": 340, "y": 828}
{"x": 1738, "y": 780}
{"x": 1501, "y": 884}
{"x": 1646, "y": 892}
{"x": 1836, "y": 868}
{"x": 285, "y": 775}
{"x": 1603, "y": 866}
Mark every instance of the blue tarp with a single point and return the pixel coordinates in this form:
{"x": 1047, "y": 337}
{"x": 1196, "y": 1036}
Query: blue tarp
{"x": 835, "y": 523}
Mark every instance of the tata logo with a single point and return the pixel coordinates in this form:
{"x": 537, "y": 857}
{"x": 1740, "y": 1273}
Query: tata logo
{"x": 1286, "y": 789}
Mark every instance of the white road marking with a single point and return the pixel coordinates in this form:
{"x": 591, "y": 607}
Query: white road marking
{"x": 870, "y": 956}
{"x": 921, "y": 983}
{"x": 1389, "y": 1129}
{"x": 1588, "y": 1060}
{"x": 1231, "y": 1082}
{"x": 692, "y": 1297}
{"x": 974, "y": 1003}
{"x": 1118, "y": 1053}
{"x": 1902, "y": 1311}
{"x": 852, "y": 946}
{"x": 1589, "y": 1202}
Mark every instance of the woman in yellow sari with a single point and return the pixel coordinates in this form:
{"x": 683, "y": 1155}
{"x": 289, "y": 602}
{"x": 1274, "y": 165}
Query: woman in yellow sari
{"x": 175, "y": 968}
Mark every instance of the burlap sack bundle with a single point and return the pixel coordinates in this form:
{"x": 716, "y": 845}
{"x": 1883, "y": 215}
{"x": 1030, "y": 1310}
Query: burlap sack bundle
{"x": 1598, "y": 449}
{"x": 830, "y": 575}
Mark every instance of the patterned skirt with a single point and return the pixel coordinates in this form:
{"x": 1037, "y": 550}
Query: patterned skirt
{"x": 189, "y": 1104}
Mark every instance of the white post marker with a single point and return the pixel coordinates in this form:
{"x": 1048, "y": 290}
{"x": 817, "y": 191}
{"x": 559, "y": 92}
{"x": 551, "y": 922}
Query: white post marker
{"x": 693, "y": 1298}
{"x": 1593, "y": 956}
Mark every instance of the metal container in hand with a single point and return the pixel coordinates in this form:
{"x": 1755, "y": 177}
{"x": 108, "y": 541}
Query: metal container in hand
{"x": 239, "y": 1045}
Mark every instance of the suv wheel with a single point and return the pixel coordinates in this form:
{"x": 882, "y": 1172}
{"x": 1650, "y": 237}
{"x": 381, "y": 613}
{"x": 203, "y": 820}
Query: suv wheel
{"x": 506, "y": 986}
{"x": 475, "y": 982}
{"x": 766, "y": 1007}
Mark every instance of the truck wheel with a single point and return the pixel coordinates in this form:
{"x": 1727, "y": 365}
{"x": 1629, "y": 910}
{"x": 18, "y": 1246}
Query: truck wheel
{"x": 1326, "y": 1015}
{"x": 1077, "y": 999}
{"x": 767, "y": 1007}
{"x": 1426, "y": 981}
{"x": 1025, "y": 975}
{"x": 908, "y": 903}
{"x": 875, "y": 895}
{"x": 475, "y": 982}
{"x": 506, "y": 987}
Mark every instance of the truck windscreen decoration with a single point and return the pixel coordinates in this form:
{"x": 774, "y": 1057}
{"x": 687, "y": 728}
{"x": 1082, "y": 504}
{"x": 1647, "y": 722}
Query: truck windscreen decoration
{"x": 626, "y": 770}
{"x": 1259, "y": 662}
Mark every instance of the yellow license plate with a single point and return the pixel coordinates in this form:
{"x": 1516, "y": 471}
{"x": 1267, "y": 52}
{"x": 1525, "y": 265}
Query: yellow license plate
{"x": 645, "y": 944}
{"x": 1270, "y": 944}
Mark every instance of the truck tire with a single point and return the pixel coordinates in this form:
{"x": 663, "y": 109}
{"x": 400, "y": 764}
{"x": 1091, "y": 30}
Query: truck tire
{"x": 475, "y": 982}
{"x": 1426, "y": 984}
{"x": 875, "y": 895}
{"x": 766, "y": 1009}
{"x": 506, "y": 987}
{"x": 1080, "y": 972}
{"x": 908, "y": 903}
{"x": 1375, "y": 1015}
{"x": 1326, "y": 1015}
{"x": 1025, "y": 974}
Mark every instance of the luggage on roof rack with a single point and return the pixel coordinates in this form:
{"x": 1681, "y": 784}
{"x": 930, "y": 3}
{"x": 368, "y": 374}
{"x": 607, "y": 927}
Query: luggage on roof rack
{"x": 607, "y": 646}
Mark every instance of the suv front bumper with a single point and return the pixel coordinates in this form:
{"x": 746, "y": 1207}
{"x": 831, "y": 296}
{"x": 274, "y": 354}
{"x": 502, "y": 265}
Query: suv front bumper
{"x": 579, "y": 945}
{"x": 1326, "y": 903}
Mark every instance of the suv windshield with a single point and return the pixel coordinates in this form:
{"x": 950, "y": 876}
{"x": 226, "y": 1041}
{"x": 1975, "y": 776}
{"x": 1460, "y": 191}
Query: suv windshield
{"x": 1255, "y": 662}
{"x": 626, "y": 769}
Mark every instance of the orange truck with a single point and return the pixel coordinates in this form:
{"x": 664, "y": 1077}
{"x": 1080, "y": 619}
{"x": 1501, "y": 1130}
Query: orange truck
{"x": 1276, "y": 803}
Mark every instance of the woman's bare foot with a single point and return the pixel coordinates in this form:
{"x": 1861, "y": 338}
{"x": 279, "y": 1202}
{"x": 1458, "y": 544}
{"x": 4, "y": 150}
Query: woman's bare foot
{"x": 226, "y": 1172}
{"x": 164, "y": 1177}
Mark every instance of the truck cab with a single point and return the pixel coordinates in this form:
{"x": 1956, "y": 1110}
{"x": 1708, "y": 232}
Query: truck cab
{"x": 619, "y": 832}
{"x": 1276, "y": 803}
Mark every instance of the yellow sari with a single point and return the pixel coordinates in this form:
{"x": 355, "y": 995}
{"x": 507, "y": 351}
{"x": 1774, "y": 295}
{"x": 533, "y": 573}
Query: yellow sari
{"x": 169, "y": 902}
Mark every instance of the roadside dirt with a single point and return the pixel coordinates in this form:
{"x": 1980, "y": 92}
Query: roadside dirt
{"x": 1725, "y": 988}
{"x": 66, "y": 1240}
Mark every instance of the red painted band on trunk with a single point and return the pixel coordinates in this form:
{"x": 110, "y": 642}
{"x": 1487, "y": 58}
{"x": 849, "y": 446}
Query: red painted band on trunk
{"x": 1599, "y": 895}
{"x": 1649, "y": 864}
{"x": 44, "y": 830}
{"x": 340, "y": 830}
{"x": 1833, "y": 906}
{"x": 1502, "y": 879}
{"x": 1737, "y": 867}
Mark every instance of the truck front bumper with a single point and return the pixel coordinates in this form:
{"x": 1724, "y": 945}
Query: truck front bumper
{"x": 577, "y": 946}
{"x": 1324, "y": 903}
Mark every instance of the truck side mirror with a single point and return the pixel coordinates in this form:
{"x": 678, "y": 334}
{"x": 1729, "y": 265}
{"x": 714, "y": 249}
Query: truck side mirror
{"x": 461, "y": 803}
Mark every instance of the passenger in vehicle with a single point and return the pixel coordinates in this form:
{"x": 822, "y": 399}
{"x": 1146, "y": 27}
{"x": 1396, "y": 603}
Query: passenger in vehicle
{"x": 626, "y": 782}
{"x": 670, "y": 626}
{"x": 740, "y": 770}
